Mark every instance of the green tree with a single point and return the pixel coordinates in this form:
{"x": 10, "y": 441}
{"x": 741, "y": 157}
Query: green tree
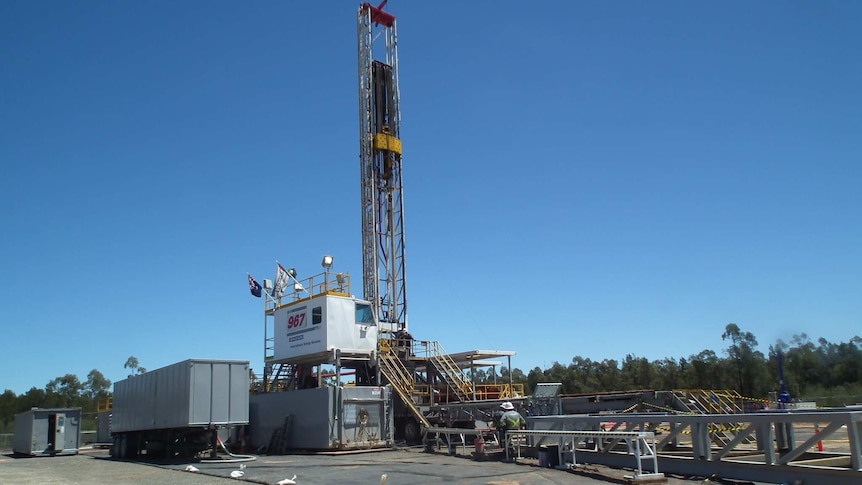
{"x": 732, "y": 332}
{"x": 750, "y": 364}
{"x": 479, "y": 376}
{"x": 668, "y": 374}
{"x": 559, "y": 373}
{"x": 534, "y": 377}
{"x": 34, "y": 398}
{"x": 608, "y": 375}
{"x": 639, "y": 372}
{"x": 97, "y": 386}
{"x": 802, "y": 365}
{"x": 582, "y": 375}
{"x": 132, "y": 363}
{"x": 7, "y": 410}
{"x": 67, "y": 388}
{"x": 704, "y": 371}
{"x": 518, "y": 376}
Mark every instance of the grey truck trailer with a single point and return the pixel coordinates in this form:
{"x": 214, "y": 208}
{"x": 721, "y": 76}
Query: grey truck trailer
{"x": 177, "y": 410}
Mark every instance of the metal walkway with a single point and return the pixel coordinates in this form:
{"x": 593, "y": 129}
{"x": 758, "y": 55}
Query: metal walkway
{"x": 771, "y": 446}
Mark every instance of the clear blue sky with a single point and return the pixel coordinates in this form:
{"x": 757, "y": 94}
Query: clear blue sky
{"x": 581, "y": 178}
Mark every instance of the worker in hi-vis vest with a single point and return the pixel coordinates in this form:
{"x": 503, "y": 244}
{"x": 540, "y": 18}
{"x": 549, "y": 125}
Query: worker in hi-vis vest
{"x": 510, "y": 419}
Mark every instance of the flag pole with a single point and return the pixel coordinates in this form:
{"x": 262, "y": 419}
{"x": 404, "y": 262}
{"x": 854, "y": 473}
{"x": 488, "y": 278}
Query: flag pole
{"x": 291, "y": 277}
{"x": 263, "y": 290}
{"x": 253, "y": 284}
{"x": 266, "y": 367}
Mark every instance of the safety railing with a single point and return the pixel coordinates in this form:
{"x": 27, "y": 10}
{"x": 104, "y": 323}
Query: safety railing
{"x": 457, "y": 385}
{"x": 498, "y": 391}
{"x": 283, "y": 379}
{"x": 319, "y": 284}
{"x": 454, "y": 376}
{"x": 641, "y": 444}
{"x": 461, "y": 434}
{"x": 704, "y": 401}
{"x": 401, "y": 381}
{"x": 822, "y": 446}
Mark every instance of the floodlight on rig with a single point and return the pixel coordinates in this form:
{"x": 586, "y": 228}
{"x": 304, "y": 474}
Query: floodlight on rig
{"x": 327, "y": 262}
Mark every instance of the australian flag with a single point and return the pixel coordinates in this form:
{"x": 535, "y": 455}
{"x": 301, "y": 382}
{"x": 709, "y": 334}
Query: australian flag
{"x": 254, "y": 286}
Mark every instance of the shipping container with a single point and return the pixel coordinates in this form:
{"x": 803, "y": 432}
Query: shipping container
{"x": 191, "y": 393}
{"x": 47, "y": 432}
{"x": 175, "y": 409}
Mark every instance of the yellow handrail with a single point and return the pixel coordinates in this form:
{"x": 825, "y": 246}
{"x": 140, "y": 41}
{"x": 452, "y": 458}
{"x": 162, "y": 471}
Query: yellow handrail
{"x": 399, "y": 377}
{"x": 103, "y": 405}
{"x": 463, "y": 388}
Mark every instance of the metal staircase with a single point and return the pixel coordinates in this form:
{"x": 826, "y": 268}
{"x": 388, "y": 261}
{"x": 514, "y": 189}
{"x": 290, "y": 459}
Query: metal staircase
{"x": 703, "y": 401}
{"x": 402, "y": 381}
{"x": 454, "y": 377}
{"x": 284, "y": 378}
{"x": 278, "y": 440}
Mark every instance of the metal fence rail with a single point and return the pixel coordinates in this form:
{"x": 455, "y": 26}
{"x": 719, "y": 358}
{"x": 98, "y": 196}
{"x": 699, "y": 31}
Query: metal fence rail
{"x": 6, "y": 442}
{"x": 641, "y": 444}
{"x": 461, "y": 433}
{"x": 772, "y": 446}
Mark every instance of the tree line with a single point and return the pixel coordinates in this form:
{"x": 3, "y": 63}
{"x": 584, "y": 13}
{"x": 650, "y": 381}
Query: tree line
{"x": 67, "y": 391}
{"x": 825, "y": 372}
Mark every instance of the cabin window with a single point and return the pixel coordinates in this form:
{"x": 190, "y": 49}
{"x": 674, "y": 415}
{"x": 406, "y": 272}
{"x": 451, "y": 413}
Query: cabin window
{"x": 316, "y": 315}
{"x": 364, "y": 315}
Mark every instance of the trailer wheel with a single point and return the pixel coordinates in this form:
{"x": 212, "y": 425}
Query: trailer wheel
{"x": 412, "y": 433}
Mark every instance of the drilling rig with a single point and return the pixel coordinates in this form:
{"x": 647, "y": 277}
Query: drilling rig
{"x": 417, "y": 371}
{"x": 322, "y": 323}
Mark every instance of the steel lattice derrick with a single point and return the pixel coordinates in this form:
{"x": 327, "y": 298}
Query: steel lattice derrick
{"x": 383, "y": 262}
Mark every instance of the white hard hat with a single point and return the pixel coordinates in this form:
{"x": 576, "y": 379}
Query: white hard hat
{"x": 507, "y": 406}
